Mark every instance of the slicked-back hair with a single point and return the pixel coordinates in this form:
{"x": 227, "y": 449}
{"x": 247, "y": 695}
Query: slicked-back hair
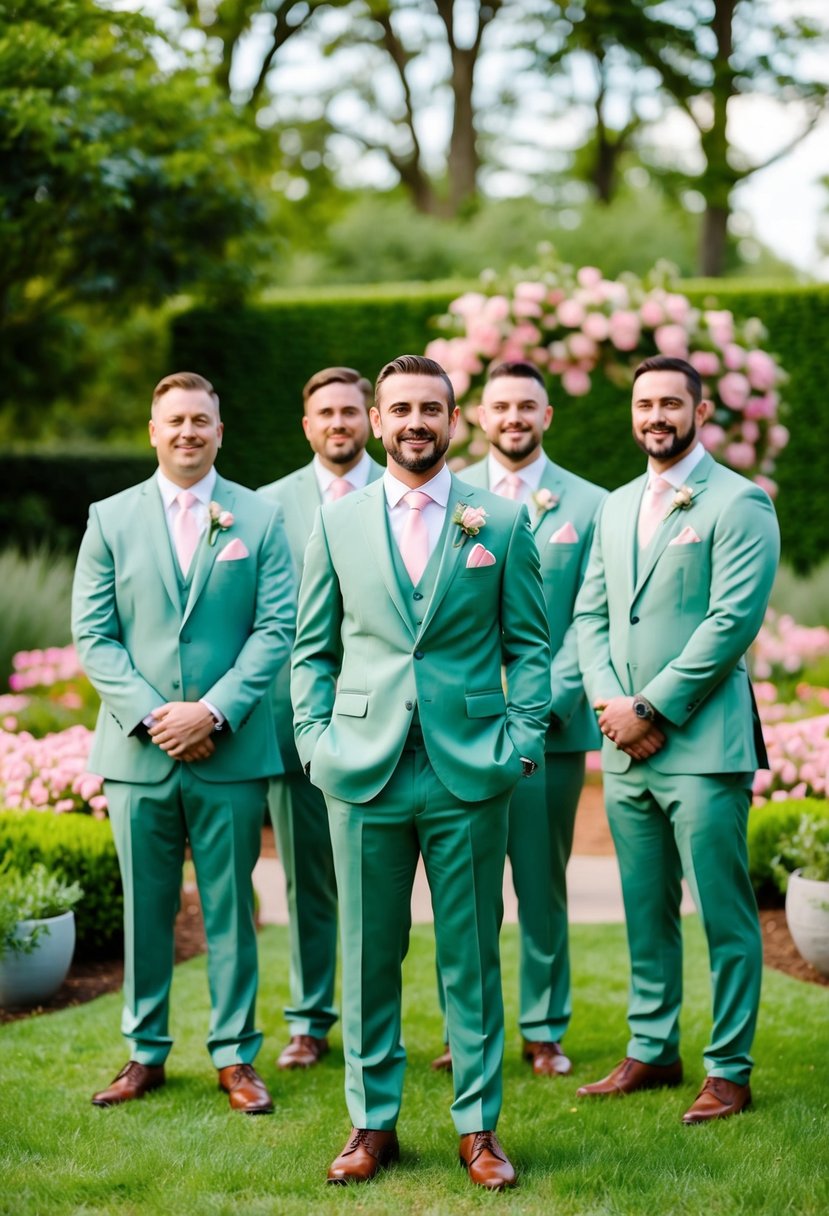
{"x": 415, "y": 365}
{"x": 519, "y": 370}
{"x": 187, "y": 380}
{"x": 667, "y": 363}
{"x": 337, "y": 375}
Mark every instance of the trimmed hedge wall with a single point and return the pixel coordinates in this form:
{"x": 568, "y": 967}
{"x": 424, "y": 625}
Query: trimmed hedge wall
{"x": 79, "y": 849}
{"x": 260, "y": 357}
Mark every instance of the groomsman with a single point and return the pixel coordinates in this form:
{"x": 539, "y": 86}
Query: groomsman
{"x": 182, "y": 611}
{"x": 679, "y": 578}
{"x": 335, "y": 421}
{"x": 514, "y": 414}
{"x": 413, "y": 590}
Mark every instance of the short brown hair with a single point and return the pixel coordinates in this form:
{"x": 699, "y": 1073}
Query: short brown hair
{"x": 415, "y": 365}
{"x": 188, "y": 380}
{"x": 667, "y": 363}
{"x": 337, "y": 375}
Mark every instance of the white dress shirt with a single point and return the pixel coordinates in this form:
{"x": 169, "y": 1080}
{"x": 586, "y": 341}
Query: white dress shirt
{"x": 529, "y": 476}
{"x": 202, "y": 490}
{"x": 679, "y": 472}
{"x": 434, "y": 513}
{"x": 358, "y": 476}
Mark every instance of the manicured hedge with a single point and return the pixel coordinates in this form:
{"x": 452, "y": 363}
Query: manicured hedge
{"x": 767, "y": 825}
{"x": 259, "y": 358}
{"x": 80, "y": 849}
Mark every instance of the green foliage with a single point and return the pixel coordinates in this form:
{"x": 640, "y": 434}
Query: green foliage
{"x": 35, "y": 895}
{"x": 769, "y": 826}
{"x": 805, "y": 849}
{"x": 805, "y": 597}
{"x": 78, "y": 849}
{"x": 35, "y": 593}
{"x": 119, "y": 183}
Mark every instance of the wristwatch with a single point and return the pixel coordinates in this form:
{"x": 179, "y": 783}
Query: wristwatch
{"x": 643, "y": 708}
{"x": 528, "y": 767}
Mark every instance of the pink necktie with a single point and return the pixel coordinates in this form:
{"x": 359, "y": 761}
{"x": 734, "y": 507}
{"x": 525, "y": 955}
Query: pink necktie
{"x": 185, "y": 530}
{"x": 338, "y": 488}
{"x": 655, "y": 506}
{"x": 510, "y": 487}
{"x": 414, "y": 540}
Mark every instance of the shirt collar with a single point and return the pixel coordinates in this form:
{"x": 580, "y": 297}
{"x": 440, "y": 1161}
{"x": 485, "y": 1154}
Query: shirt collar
{"x": 678, "y": 473}
{"x": 438, "y": 488}
{"x": 358, "y": 476}
{"x": 203, "y": 490}
{"x": 530, "y": 474}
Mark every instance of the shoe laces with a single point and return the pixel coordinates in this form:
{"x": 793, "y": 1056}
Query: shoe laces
{"x": 130, "y": 1067}
{"x": 485, "y": 1142}
{"x": 242, "y": 1072}
{"x": 361, "y": 1139}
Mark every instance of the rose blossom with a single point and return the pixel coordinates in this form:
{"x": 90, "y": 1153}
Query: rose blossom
{"x": 496, "y": 308}
{"x": 589, "y": 276}
{"x": 740, "y": 455}
{"x": 570, "y": 313}
{"x": 671, "y": 340}
{"x": 705, "y": 361}
{"x": 596, "y": 326}
{"x": 624, "y": 330}
{"x": 761, "y": 370}
{"x": 652, "y": 313}
{"x": 473, "y": 519}
{"x": 711, "y": 436}
{"x": 734, "y": 388}
{"x": 733, "y": 356}
{"x": 575, "y": 382}
{"x": 582, "y": 347}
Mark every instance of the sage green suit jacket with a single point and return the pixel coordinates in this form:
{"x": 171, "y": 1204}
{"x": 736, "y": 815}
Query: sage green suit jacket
{"x": 140, "y": 648}
{"x": 562, "y": 569}
{"x": 298, "y": 495}
{"x": 676, "y": 630}
{"x": 360, "y": 664}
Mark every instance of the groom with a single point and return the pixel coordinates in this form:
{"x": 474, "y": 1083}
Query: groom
{"x": 182, "y": 612}
{"x": 415, "y": 590}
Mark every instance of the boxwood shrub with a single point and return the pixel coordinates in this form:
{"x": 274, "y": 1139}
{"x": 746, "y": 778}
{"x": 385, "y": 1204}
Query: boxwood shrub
{"x": 767, "y": 825}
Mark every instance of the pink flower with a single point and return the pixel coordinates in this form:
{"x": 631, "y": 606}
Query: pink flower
{"x": 468, "y": 304}
{"x": 624, "y": 329}
{"x": 460, "y": 381}
{"x": 487, "y": 338}
{"x": 766, "y": 483}
{"x": 761, "y": 369}
{"x": 678, "y": 308}
{"x": 596, "y": 326}
{"x": 778, "y": 436}
{"x": 537, "y": 292}
{"x": 570, "y": 313}
{"x": 740, "y": 455}
{"x": 582, "y": 347}
{"x": 712, "y": 436}
{"x": 589, "y": 276}
{"x": 526, "y": 308}
{"x": 733, "y": 389}
{"x": 721, "y": 326}
{"x": 750, "y": 431}
{"x": 705, "y": 361}
{"x": 652, "y": 313}
{"x": 470, "y": 519}
{"x": 496, "y": 308}
{"x": 671, "y": 340}
{"x": 761, "y": 407}
{"x": 733, "y": 356}
{"x": 575, "y": 382}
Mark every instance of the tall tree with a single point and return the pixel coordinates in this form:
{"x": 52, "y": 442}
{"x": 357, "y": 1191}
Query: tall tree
{"x": 118, "y": 180}
{"x": 703, "y": 57}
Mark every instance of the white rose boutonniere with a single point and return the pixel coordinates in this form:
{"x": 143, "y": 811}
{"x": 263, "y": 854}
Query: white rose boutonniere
{"x": 220, "y": 521}
{"x": 681, "y": 501}
{"x": 545, "y": 500}
{"x": 470, "y": 520}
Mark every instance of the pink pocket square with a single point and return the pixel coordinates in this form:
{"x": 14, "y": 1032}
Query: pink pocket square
{"x": 233, "y": 552}
{"x": 686, "y": 537}
{"x": 479, "y": 556}
{"x": 566, "y": 535}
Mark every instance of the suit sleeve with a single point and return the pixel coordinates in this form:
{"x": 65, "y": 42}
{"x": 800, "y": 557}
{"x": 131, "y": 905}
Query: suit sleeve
{"x": 592, "y": 624}
{"x": 566, "y": 675}
{"x": 268, "y": 645}
{"x": 317, "y": 656}
{"x": 525, "y": 643}
{"x": 745, "y": 553}
{"x": 97, "y": 634}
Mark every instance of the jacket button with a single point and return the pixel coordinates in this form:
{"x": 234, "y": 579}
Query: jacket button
{"x": 418, "y": 595}
{"x": 186, "y": 641}
{"x": 418, "y": 654}
{"x": 634, "y": 620}
{"x": 176, "y": 684}
{"x": 409, "y": 705}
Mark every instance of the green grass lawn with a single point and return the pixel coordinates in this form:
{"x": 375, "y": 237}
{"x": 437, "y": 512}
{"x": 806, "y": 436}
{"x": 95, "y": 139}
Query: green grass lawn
{"x": 182, "y": 1150}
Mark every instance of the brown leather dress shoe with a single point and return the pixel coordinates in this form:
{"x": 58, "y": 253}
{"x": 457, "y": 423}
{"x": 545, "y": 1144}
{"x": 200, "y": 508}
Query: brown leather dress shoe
{"x": 246, "y": 1089}
{"x": 717, "y": 1099}
{"x": 365, "y": 1154}
{"x": 486, "y": 1162}
{"x": 443, "y": 1062}
{"x": 548, "y": 1059}
{"x": 630, "y": 1075}
{"x": 303, "y": 1051}
{"x": 133, "y": 1081}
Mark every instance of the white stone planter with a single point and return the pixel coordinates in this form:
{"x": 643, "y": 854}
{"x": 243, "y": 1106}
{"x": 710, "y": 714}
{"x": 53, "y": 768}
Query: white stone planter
{"x": 807, "y": 913}
{"x": 28, "y": 979}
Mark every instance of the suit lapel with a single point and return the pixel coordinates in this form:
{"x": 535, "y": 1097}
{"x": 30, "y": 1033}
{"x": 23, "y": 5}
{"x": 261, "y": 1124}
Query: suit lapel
{"x": 670, "y": 527}
{"x": 450, "y": 558}
{"x": 374, "y": 519}
{"x": 206, "y": 553}
{"x": 153, "y": 508}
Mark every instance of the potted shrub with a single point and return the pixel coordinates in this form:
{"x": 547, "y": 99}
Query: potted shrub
{"x": 801, "y": 869}
{"x": 37, "y": 934}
